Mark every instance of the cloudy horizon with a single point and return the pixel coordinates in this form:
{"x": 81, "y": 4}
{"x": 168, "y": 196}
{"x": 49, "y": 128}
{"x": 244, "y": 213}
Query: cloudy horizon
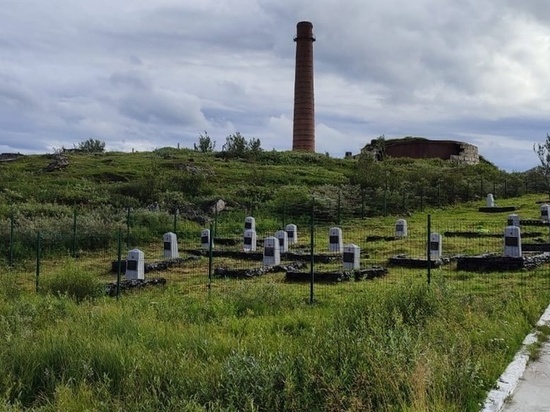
{"x": 143, "y": 75}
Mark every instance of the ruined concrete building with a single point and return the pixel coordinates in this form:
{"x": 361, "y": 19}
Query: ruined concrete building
{"x": 420, "y": 148}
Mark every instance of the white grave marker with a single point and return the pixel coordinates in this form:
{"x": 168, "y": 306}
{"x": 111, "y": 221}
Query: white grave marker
{"x": 352, "y": 257}
{"x": 135, "y": 265}
{"x": 544, "y": 212}
{"x": 283, "y": 240}
{"x": 250, "y": 240}
{"x": 401, "y": 228}
{"x": 205, "y": 239}
{"x": 513, "y": 220}
{"x": 490, "y": 200}
{"x": 335, "y": 243}
{"x": 292, "y": 232}
{"x": 436, "y": 247}
{"x": 272, "y": 254}
{"x": 512, "y": 241}
{"x": 170, "y": 245}
{"x": 249, "y": 223}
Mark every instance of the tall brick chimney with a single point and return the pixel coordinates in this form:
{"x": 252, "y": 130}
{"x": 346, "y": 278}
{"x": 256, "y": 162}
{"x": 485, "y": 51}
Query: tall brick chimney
{"x": 303, "y": 134}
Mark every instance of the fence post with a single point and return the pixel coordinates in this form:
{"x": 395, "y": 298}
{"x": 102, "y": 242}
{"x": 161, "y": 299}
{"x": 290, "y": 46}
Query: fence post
{"x": 74, "y": 235}
{"x": 119, "y": 257}
{"x": 11, "y": 239}
{"x": 312, "y": 246}
{"x": 339, "y": 207}
{"x": 439, "y": 195}
{"x": 38, "y": 246}
{"x": 428, "y": 249}
{"x": 284, "y": 215}
{"x": 362, "y": 204}
{"x": 175, "y": 221}
{"x": 481, "y": 189}
{"x": 128, "y": 228}
{"x": 215, "y": 233}
{"x": 210, "y": 258}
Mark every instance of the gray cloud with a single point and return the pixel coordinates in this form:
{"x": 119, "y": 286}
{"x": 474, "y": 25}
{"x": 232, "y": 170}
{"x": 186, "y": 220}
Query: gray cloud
{"x": 148, "y": 74}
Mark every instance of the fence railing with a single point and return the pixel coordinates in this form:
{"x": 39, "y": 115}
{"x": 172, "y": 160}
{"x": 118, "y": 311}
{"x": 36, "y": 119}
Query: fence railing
{"x": 321, "y": 252}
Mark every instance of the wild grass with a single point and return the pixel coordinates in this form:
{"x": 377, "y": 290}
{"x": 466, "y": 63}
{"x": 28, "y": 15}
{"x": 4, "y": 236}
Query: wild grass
{"x": 391, "y": 344}
{"x": 259, "y": 346}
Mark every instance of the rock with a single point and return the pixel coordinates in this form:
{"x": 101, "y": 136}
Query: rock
{"x": 59, "y": 162}
{"x": 218, "y": 207}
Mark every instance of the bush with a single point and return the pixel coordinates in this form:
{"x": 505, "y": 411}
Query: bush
{"x": 73, "y": 282}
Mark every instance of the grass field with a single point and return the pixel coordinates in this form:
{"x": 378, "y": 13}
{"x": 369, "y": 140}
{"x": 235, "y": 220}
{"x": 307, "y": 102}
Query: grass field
{"x": 198, "y": 344}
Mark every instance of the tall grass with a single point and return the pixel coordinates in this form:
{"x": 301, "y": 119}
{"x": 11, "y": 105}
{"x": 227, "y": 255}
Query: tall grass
{"x": 393, "y": 347}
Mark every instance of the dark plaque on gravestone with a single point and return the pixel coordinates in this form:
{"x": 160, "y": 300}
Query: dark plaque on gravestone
{"x": 131, "y": 265}
{"x": 511, "y": 241}
{"x": 269, "y": 251}
{"x": 167, "y": 246}
{"x": 334, "y": 239}
{"x": 434, "y": 245}
{"x": 349, "y": 257}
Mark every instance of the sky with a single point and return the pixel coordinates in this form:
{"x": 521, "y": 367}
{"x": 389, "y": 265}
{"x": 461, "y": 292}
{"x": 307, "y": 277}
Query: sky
{"x": 142, "y": 74}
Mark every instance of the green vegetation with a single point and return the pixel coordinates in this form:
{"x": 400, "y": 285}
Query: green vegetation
{"x": 390, "y": 344}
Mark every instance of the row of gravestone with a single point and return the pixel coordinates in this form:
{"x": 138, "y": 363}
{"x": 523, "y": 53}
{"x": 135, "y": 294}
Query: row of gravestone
{"x": 351, "y": 253}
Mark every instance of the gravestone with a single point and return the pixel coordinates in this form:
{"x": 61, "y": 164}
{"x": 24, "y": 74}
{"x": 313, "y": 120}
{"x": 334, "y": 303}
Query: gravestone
{"x": 335, "y": 242}
{"x": 249, "y": 223}
{"x": 292, "y": 232}
{"x": 170, "y": 245}
{"x": 135, "y": 265}
{"x": 401, "y": 228}
{"x": 249, "y": 240}
{"x": 514, "y": 220}
{"x": 283, "y": 240}
{"x": 436, "y": 246}
{"x": 272, "y": 255}
{"x": 490, "y": 200}
{"x": 512, "y": 241}
{"x": 205, "y": 239}
{"x": 352, "y": 257}
{"x": 544, "y": 212}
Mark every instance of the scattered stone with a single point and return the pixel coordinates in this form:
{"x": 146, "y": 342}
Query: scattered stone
{"x": 337, "y": 277}
{"x": 126, "y": 285}
{"x": 59, "y": 162}
{"x": 223, "y": 272}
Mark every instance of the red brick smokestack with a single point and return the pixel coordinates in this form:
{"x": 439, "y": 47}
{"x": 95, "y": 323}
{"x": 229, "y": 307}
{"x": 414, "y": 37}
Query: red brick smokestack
{"x": 303, "y": 134}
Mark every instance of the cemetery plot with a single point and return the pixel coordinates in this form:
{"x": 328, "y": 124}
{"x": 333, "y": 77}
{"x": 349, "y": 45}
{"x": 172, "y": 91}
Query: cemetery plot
{"x": 495, "y": 263}
{"x": 224, "y": 272}
{"x": 336, "y": 276}
{"x": 131, "y": 284}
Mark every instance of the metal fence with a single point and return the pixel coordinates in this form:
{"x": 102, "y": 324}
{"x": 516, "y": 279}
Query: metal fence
{"x": 318, "y": 250}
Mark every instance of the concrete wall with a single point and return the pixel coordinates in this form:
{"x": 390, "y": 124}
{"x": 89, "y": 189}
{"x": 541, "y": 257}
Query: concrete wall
{"x": 428, "y": 149}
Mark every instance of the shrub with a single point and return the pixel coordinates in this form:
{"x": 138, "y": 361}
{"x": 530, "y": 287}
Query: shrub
{"x": 73, "y": 282}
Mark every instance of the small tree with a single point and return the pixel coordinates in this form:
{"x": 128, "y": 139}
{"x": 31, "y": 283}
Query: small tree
{"x": 206, "y": 144}
{"x": 543, "y": 153}
{"x": 92, "y": 146}
{"x": 235, "y": 145}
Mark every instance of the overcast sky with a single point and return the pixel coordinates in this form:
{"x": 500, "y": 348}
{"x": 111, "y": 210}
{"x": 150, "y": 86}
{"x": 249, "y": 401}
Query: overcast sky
{"x": 143, "y": 74}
